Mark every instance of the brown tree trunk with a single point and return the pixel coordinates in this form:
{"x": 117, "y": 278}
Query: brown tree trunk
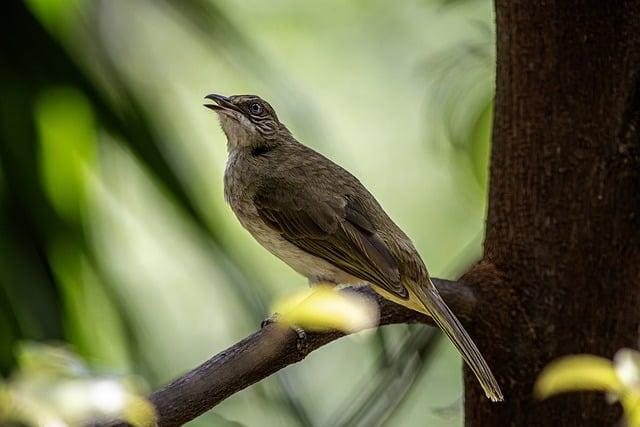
{"x": 561, "y": 273}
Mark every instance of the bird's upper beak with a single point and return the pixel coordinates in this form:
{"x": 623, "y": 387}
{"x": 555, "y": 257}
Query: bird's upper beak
{"x": 222, "y": 103}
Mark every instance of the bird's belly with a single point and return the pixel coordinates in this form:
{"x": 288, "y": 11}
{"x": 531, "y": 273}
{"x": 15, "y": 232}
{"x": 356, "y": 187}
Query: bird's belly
{"x": 314, "y": 268}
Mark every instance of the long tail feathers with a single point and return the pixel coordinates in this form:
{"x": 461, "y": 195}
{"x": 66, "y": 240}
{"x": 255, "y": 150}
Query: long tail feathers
{"x": 451, "y": 326}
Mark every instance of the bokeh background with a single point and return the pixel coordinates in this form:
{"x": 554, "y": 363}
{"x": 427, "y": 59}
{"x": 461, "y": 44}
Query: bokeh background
{"x": 114, "y": 236}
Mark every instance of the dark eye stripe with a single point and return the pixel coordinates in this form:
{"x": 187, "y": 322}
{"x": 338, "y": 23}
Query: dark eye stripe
{"x": 260, "y": 118}
{"x": 267, "y": 127}
{"x": 267, "y": 132}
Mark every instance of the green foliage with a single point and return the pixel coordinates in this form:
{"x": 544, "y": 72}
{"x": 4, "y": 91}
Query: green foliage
{"x": 67, "y": 134}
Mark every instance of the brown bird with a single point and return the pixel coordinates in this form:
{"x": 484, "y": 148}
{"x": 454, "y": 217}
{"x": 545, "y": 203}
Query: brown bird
{"x": 320, "y": 220}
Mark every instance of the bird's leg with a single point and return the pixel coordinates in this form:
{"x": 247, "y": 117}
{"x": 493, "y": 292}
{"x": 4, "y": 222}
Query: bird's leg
{"x": 301, "y": 335}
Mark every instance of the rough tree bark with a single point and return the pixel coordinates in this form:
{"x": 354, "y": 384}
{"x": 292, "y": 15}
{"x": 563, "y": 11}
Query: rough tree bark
{"x": 562, "y": 250}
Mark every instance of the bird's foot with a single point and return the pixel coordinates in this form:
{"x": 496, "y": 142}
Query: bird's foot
{"x": 302, "y": 343}
{"x": 269, "y": 320}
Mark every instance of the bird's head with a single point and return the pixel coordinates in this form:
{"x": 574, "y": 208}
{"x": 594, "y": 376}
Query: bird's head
{"x": 247, "y": 120}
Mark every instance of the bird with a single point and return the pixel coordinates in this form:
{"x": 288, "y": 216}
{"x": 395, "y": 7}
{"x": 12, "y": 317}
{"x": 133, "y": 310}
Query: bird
{"x": 320, "y": 220}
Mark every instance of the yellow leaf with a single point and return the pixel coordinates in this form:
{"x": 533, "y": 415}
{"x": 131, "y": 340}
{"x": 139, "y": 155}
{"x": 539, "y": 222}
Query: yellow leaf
{"x": 324, "y": 308}
{"x": 139, "y": 412}
{"x": 631, "y": 404}
{"x": 54, "y": 387}
{"x": 39, "y": 360}
{"x": 576, "y": 373}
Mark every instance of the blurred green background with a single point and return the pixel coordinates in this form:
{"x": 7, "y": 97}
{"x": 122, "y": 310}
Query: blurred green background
{"x": 114, "y": 235}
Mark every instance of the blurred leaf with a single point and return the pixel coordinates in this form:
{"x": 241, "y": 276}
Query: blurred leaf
{"x": 67, "y": 134}
{"x": 54, "y": 387}
{"x": 631, "y": 405}
{"x": 593, "y": 373}
{"x": 48, "y": 360}
{"x": 126, "y": 119}
{"x": 138, "y": 411}
{"x": 56, "y": 15}
{"x": 88, "y": 307}
{"x": 576, "y": 373}
{"x": 324, "y": 308}
{"x": 66, "y": 128}
{"x": 26, "y": 215}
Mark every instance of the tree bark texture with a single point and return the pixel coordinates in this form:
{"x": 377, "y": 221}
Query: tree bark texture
{"x": 561, "y": 272}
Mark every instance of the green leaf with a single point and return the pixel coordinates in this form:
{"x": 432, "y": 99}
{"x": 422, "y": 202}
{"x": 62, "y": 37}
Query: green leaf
{"x": 67, "y": 131}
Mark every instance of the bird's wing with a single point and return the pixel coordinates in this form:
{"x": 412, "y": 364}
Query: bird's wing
{"x": 334, "y": 228}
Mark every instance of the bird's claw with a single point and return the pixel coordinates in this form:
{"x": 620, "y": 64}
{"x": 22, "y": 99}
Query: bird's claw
{"x": 269, "y": 320}
{"x": 302, "y": 343}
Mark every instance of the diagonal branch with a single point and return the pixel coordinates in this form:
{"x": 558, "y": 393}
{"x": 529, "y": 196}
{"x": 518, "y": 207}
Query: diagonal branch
{"x": 273, "y": 348}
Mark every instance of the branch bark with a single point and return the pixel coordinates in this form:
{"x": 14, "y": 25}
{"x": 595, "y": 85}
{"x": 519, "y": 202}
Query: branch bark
{"x": 273, "y": 348}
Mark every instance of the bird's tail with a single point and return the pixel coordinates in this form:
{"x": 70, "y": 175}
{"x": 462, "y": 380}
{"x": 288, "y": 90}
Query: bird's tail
{"x": 451, "y": 326}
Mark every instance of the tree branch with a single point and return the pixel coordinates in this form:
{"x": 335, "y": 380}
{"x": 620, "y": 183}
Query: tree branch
{"x": 273, "y": 348}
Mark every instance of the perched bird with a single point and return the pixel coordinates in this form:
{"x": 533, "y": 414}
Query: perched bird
{"x": 319, "y": 219}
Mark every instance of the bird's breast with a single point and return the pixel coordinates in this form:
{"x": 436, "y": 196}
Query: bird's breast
{"x": 301, "y": 261}
{"x": 239, "y": 195}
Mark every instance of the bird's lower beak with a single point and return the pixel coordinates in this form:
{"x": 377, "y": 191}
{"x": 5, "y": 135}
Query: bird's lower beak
{"x": 222, "y": 103}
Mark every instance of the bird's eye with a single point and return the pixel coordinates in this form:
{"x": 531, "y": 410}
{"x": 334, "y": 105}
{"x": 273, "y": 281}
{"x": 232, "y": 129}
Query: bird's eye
{"x": 255, "y": 108}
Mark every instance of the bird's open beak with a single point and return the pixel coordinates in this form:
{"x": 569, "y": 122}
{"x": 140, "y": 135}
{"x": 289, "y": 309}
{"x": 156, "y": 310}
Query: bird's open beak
{"x": 222, "y": 103}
